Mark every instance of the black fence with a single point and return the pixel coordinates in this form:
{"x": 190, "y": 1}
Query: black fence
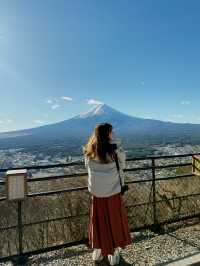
{"x": 162, "y": 190}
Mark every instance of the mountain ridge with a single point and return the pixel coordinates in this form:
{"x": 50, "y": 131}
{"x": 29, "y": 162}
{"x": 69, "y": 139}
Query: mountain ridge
{"x": 81, "y": 126}
{"x": 100, "y": 109}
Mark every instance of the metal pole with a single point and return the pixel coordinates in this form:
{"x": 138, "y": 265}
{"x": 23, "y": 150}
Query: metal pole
{"x": 20, "y": 227}
{"x": 193, "y": 165}
{"x": 156, "y": 227}
{"x": 20, "y": 259}
{"x": 154, "y": 192}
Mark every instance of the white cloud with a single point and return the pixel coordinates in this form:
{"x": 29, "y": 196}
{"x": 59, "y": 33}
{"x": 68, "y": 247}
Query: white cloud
{"x": 37, "y": 121}
{"x": 6, "y": 121}
{"x": 55, "y": 101}
{"x": 52, "y": 100}
{"x": 49, "y": 101}
{"x": 177, "y": 116}
{"x": 185, "y": 102}
{"x": 66, "y": 98}
{"x": 93, "y": 102}
{"x": 55, "y": 106}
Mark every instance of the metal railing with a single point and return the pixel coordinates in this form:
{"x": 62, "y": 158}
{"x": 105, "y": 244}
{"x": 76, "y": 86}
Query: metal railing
{"x": 151, "y": 192}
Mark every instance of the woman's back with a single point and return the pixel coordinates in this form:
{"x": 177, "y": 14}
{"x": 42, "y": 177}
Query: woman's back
{"x": 108, "y": 226}
{"x": 103, "y": 178}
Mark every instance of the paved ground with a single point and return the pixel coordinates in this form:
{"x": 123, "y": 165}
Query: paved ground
{"x": 177, "y": 247}
{"x": 193, "y": 260}
{"x": 180, "y": 246}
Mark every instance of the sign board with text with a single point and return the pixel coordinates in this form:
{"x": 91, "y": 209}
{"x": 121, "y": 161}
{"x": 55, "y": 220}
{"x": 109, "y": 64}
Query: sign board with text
{"x": 16, "y": 184}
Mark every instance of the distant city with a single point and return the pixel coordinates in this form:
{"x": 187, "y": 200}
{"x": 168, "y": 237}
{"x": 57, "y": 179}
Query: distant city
{"x": 21, "y": 157}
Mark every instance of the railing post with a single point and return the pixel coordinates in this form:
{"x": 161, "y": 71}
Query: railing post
{"x": 154, "y": 190}
{"x": 21, "y": 259}
{"x": 193, "y": 164}
{"x": 156, "y": 227}
{"x": 20, "y": 226}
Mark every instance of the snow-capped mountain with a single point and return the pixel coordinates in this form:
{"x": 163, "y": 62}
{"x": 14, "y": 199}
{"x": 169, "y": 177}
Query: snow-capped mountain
{"x": 99, "y": 110}
{"x": 126, "y": 126}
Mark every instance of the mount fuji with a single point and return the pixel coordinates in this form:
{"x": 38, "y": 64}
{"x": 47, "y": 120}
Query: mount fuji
{"x": 129, "y": 128}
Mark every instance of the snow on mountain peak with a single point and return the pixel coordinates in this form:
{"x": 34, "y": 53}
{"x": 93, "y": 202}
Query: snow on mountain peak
{"x": 100, "y": 109}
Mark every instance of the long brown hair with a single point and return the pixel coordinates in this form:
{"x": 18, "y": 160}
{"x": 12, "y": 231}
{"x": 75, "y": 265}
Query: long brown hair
{"x": 98, "y": 144}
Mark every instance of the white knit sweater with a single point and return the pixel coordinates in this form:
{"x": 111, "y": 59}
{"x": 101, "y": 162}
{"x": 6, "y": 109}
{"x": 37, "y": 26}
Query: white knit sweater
{"x": 103, "y": 178}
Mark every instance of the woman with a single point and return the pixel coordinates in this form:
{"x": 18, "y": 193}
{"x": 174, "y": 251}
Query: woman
{"x": 108, "y": 227}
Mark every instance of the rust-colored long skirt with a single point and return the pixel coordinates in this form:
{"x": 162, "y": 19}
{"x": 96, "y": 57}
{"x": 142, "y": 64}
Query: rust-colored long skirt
{"x": 108, "y": 225}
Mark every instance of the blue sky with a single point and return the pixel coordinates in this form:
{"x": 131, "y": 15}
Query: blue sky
{"x": 57, "y": 58}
